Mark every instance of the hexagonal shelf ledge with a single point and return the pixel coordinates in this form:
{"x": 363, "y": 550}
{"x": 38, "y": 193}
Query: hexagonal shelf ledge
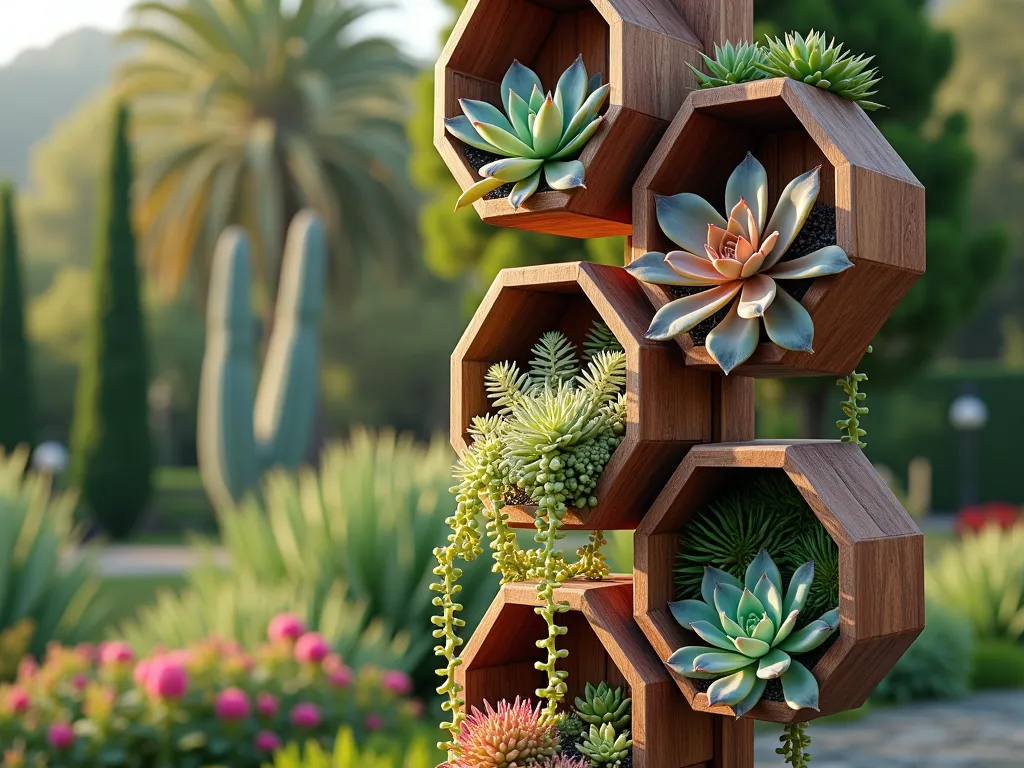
{"x": 669, "y": 407}
{"x": 881, "y": 563}
{"x": 792, "y": 127}
{"x": 641, "y": 47}
{"x": 604, "y": 644}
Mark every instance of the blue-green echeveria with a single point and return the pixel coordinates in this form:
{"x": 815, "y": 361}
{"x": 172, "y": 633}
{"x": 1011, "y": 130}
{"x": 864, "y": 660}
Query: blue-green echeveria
{"x": 750, "y": 630}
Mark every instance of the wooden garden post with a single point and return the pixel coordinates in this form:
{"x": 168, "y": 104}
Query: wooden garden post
{"x": 689, "y": 429}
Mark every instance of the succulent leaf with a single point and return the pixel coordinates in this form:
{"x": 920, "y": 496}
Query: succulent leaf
{"x": 771, "y": 598}
{"x": 733, "y": 340}
{"x": 756, "y": 297}
{"x": 519, "y": 115}
{"x": 679, "y": 316}
{"x": 713, "y": 577}
{"x": 830, "y": 260}
{"x": 751, "y": 699}
{"x": 461, "y": 128}
{"x": 652, "y": 268}
{"x": 525, "y": 189}
{"x": 511, "y": 169}
{"x": 749, "y": 182}
{"x": 576, "y": 145}
{"x": 799, "y": 588}
{"x": 711, "y": 633}
{"x": 564, "y": 175}
{"x": 682, "y": 662}
{"x": 571, "y": 91}
{"x": 731, "y": 64}
{"x": 791, "y": 212}
{"x": 482, "y": 112}
{"x": 717, "y": 663}
{"x": 726, "y": 599}
{"x": 696, "y": 269}
{"x": 547, "y": 129}
{"x": 788, "y": 324}
{"x": 520, "y": 80}
{"x": 808, "y": 638}
{"x": 773, "y": 664}
{"x": 733, "y": 689}
{"x": 478, "y": 191}
{"x": 505, "y": 142}
{"x": 685, "y": 218}
{"x": 751, "y": 647}
{"x": 585, "y": 115}
{"x": 799, "y": 687}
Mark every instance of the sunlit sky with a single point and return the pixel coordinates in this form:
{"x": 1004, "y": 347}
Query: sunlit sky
{"x": 36, "y": 23}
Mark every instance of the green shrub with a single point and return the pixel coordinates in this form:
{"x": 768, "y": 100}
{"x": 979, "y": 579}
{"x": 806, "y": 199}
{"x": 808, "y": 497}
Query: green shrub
{"x": 982, "y": 577}
{"x": 998, "y": 664}
{"x": 371, "y": 518}
{"x": 937, "y": 665}
{"x": 347, "y": 754}
{"x": 43, "y": 596}
{"x": 214, "y": 701}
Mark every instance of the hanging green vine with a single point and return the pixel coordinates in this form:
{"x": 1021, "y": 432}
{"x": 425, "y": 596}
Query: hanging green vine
{"x": 853, "y": 408}
{"x": 555, "y": 430}
{"x": 795, "y": 742}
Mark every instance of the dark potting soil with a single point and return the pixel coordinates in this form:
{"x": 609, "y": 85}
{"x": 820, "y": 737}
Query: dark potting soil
{"x": 478, "y": 158}
{"x": 773, "y": 691}
{"x": 517, "y": 497}
{"x": 818, "y": 232}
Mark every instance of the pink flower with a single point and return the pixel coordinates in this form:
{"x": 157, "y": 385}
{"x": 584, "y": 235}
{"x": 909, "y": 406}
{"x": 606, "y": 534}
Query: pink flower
{"x": 332, "y": 662}
{"x": 266, "y": 704}
{"x": 373, "y": 722}
{"x": 116, "y": 652}
{"x": 18, "y": 700}
{"x": 397, "y": 682}
{"x": 311, "y": 648}
{"x": 167, "y": 679}
{"x": 27, "y": 668}
{"x": 79, "y": 681}
{"x": 231, "y": 704}
{"x": 266, "y": 741}
{"x": 285, "y": 626}
{"x": 60, "y": 736}
{"x": 305, "y": 715}
{"x": 141, "y": 673}
{"x": 341, "y": 677}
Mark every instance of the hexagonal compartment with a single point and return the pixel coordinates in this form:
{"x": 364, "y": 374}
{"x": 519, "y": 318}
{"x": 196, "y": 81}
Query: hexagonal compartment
{"x": 604, "y": 644}
{"x": 669, "y": 407}
{"x": 792, "y": 127}
{"x": 641, "y": 49}
{"x": 881, "y": 563}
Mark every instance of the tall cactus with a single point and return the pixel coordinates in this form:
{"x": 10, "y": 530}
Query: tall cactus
{"x": 243, "y": 431}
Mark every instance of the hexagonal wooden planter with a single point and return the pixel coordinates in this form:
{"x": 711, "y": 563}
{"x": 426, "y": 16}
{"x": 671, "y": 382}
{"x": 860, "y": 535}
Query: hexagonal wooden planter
{"x": 640, "y": 46}
{"x": 792, "y": 127}
{"x": 604, "y": 644}
{"x": 881, "y": 553}
{"x": 669, "y": 407}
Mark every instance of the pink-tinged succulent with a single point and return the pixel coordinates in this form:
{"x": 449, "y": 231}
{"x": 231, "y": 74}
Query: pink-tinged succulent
{"x": 305, "y": 715}
{"x": 267, "y": 741}
{"x": 512, "y": 735}
{"x": 61, "y": 736}
{"x": 738, "y": 264}
{"x": 285, "y": 626}
{"x": 567, "y": 762}
{"x": 311, "y": 648}
{"x": 232, "y": 705}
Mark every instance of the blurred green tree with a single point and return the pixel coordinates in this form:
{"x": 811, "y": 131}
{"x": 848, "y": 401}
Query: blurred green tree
{"x": 111, "y": 446}
{"x": 963, "y": 259}
{"x": 987, "y": 82}
{"x": 248, "y": 112}
{"x": 17, "y": 395}
{"x": 457, "y": 245}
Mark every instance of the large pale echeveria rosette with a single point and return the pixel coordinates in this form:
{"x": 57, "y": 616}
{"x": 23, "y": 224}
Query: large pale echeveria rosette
{"x": 750, "y": 628}
{"x": 536, "y": 136}
{"x": 739, "y": 265}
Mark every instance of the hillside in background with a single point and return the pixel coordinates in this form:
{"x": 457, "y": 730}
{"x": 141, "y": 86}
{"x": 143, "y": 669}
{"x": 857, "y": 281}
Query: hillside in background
{"x": 43, "y": 85}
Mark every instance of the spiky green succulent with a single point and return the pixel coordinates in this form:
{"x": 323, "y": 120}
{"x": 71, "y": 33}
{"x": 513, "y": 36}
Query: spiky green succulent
{"x": 603, "y": 745}
{"x": 737, "y": 263}
{"x": 732, "y": 64}
{"x": 605, "y": 704}
{"x": 824, "y": 64}
{"x": 600, "y": 339}
{"x": 814, "y": 544}
{"x": 537, "y": 136}
{"x": 750, "y": 628}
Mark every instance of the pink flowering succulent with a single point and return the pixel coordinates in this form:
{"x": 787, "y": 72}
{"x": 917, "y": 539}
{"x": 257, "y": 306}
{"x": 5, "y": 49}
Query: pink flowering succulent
{"x": 244, "y": 703}
{"x": 737, "y": 263}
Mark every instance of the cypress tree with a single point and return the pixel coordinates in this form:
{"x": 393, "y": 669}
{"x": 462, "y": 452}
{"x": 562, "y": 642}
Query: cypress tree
{"x": 17, "y": 411}
{"x": 111, "y": 444}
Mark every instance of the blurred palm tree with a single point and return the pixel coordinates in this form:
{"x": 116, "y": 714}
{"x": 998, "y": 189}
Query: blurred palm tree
{"x": 247, "y": 112}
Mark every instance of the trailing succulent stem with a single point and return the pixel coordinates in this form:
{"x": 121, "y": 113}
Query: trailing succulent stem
{"x": 245, "y": 430}
{"x": 795, "y": 742}
{"x": 853, "y": 408}
{"x": 554, "y": 431}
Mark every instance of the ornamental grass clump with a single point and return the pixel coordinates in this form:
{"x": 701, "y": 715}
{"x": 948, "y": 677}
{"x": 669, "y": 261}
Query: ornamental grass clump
{"x": 537, "y": 137}
{"x": 750, "y": 627}
{"x": 212, "y": 703}
{"x": 736, "y": 265}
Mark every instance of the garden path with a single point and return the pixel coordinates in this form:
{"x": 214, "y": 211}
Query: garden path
{"x": 983, "y": 730}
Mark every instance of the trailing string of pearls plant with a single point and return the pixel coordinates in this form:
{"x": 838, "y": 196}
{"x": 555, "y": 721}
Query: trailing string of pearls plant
{"x": 554, "y": 431}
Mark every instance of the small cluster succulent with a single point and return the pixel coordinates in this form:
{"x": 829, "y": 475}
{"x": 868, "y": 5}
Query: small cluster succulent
{"x": 731, "y": 64}
{"x": 751, "y": 628}
{"x": 811, "y": 59}
{"x": 605, "y": 705}
{"x": 853, "y": 408}
{"x": 538, "y": 136}
{"x": 606, "y": 746}
{"x": 736, "y": 263}
{"x": 816, "y": 61}
{"x": 512, "y": 736}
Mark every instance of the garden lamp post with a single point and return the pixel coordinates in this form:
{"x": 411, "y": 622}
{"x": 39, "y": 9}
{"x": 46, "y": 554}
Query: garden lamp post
{"x": 968, "y": 414}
